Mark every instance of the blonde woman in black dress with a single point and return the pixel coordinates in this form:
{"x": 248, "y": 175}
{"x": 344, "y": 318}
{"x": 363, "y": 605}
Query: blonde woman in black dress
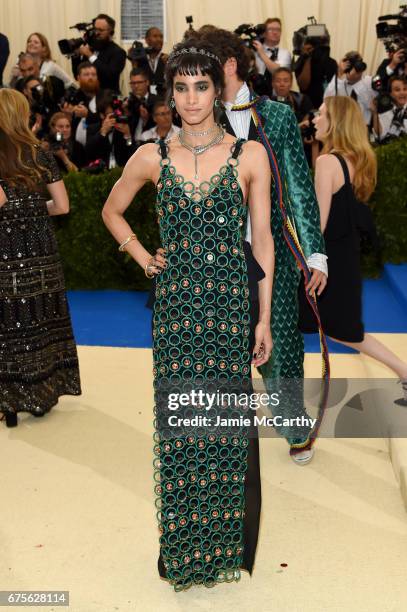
{"x": 38, "y": 358}
{"x": 345, "y": 177}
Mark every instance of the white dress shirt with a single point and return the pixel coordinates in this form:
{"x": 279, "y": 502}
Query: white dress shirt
{"x": 240, "y": 122}
{"x": 50, "y": 68}
{"x": 363, "y": 89}
{"x": 80, "y": 134}
{"x": 153, "y": 134}
{"x": 283, "y": 58}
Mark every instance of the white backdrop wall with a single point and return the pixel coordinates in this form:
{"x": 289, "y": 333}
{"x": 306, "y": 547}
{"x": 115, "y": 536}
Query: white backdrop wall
{"x": 351, "y": 23}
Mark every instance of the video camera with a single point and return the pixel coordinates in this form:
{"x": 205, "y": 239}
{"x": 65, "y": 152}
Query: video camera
{"x": 249, "y": 33}
{"x": 68, "y": 46}
{"x": 313, "y": 33}
{"x": 394, "y": 35}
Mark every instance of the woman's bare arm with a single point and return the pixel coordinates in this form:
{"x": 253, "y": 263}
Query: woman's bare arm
{"x": 325, "y": 169}
{"x": 262, "y": 240}
{"x": 137, "y": 171}
{"x": 59, "y": 203}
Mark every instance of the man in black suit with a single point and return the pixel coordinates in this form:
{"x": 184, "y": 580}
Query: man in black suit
{"x": 109, "y": 139}
{"x": 152, "y": 60}
{"x": 108, "y": 58}
{"x": 4, "y": 53}
{"x": 140, "y": 102}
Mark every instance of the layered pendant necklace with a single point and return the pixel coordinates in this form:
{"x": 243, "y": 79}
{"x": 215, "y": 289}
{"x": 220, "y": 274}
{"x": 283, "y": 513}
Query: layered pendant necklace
{"x": 199, "y": 149}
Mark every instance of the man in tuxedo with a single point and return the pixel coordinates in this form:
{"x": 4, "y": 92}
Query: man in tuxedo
{"x": 269, "y": 54}
{"x": 81, "y": 103}
{"x": 108, "y": 58}
{"x": 285, "y": 369}
{"x": 140, "y": 102}
{"x": 152, "y": 60}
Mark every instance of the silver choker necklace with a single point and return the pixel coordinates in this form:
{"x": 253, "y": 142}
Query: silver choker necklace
{"x": 203, "y": 133}
{"x": 199, "y": 149}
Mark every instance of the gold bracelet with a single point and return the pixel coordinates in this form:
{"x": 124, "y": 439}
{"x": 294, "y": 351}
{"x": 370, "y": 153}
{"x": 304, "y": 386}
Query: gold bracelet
{"x": 123, "y": 244}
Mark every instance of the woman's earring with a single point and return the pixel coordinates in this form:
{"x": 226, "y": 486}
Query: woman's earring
{"x": 217, "y": 103}
{"x": 172, "y": 103}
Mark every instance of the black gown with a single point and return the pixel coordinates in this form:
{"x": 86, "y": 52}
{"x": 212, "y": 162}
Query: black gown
{"x": 38, "y": 357}
{"x": 340, "y": 304}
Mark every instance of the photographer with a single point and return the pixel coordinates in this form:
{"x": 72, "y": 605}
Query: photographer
{"x": 350, "y": 81}
{"x": 80, "y": 103}
{"x": 314, "y": 68}
{"x": 41, "y": 105}
{"x": 140, "y": 102}
{"x": 282, "y": 92}
{"x": 164, "y": 128}
{"x": 69, "y": 154}
{"x": 54, "y": 90}
{"x": 269, "y": 55}
{"x": 392, "y": 123}
{"x": 109, "y": 139}
{"x": 151, "y": 59}
{"x": 395, "y": 65}
{"x": 108, "y": 58}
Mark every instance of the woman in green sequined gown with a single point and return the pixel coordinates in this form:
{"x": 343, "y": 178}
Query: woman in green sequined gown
{"x": 207, "y": 328}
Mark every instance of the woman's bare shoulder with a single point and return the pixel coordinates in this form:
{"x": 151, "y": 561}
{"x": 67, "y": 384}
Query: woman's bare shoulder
{"x": 255, "y": 150}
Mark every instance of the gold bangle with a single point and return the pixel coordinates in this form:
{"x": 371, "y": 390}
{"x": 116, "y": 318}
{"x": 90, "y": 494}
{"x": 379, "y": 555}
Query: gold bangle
{"x": 123, "y": 244}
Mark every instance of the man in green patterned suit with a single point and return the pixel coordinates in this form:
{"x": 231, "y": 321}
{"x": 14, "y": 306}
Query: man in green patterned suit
{"x": 280, "y": 126}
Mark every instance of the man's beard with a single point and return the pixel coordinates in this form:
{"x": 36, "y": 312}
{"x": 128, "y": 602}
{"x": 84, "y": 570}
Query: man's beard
{"x": 90, "y": 89}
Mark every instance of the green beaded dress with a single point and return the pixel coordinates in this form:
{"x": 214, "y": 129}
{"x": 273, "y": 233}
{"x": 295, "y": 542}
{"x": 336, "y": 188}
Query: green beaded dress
{"x": 207, "y": 484}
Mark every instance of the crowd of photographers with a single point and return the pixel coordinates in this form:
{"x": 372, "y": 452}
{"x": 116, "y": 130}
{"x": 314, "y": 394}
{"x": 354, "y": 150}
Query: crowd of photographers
{"x": 87, "y": 124}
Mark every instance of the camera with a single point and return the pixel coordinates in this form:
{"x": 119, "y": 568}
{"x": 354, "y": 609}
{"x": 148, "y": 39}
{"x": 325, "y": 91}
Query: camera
{"x": 56, "y": 141}
{"x": 394, "y": 35}
{"x": 356, "y": 62}
{"x": 68, "y": 46}
{"x": 313, "y": 33}
{"x": 139, "y": 53}
{"x": 384, "y": 100}
{"x": 72, "y": 96}
{"x": 118, "y": 111}
{"x": 38, "y": 104}
{"x": 189, "y": 20}
{"x": 249, "y": 33}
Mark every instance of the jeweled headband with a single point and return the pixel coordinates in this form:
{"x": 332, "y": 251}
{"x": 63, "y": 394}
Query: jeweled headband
{"x": 194, "y": 50}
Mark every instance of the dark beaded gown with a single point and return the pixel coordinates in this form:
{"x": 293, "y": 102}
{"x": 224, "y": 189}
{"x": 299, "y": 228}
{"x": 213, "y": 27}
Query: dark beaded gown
{"x": 207, "y": 488}
{"x": 38, "y": 356}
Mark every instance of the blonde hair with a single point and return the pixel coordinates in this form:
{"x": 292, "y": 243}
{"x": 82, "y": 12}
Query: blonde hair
{"x": 347, "y": 135}
{"x": 44, "y": 41}
{"x": 18, "y": 145}
{"x": 57, "y": 116}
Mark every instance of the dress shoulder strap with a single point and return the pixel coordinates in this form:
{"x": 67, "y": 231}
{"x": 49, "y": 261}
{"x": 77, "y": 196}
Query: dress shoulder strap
{"x": 163, "y": 149}
{"x": 237, "y": 147}
{"x": 344, "y": 167}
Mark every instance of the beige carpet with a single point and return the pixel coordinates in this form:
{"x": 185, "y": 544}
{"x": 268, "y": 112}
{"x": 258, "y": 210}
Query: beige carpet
{"x": 77, "y": 507}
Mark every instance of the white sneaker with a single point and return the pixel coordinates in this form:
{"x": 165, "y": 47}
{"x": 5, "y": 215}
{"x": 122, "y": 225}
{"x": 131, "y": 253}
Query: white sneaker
{"x": 303, "y": 457}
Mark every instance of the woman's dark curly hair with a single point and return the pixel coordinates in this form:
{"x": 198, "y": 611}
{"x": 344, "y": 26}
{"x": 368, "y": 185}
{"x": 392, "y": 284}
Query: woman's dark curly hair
{"x": 227, "y": 45}
{"x": 191, "y": 63}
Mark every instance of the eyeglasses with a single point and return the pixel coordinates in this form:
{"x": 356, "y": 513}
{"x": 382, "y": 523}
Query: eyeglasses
{"x": 273, "y": 29}
{"x": 162, "y": 114}
{"x": 101, "y": 29}
{"x": 138, "y": 82}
